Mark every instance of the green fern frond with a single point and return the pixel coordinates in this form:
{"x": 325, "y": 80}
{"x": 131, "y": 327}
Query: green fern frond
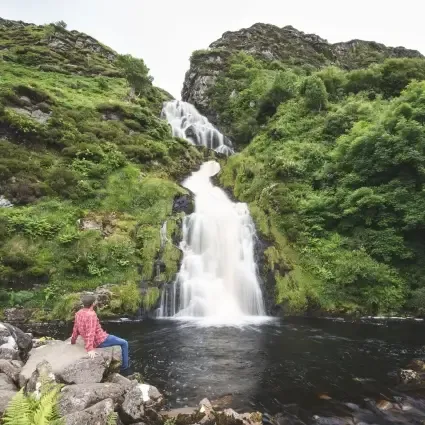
{"x": 112, "y": 418}
{"x": 18, "y": 411}
{"x": 45, "y": 411}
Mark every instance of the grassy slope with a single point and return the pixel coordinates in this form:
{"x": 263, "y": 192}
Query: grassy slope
{"x": 103, "y": 157}
{"x": 333, "y": 174}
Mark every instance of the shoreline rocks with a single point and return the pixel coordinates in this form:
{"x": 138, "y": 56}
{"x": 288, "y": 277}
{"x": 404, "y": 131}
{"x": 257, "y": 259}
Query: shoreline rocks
{"x": 92, "y": 392}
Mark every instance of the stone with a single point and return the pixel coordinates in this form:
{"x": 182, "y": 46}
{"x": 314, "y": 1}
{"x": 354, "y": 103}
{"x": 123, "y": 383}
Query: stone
{"x": 89, "y": 224}
{"x": 7, "y": 383}
{"x": 70, "y": 363}
{"x": 43, "y": 374}
{"x": 74, "y": 398}
{"x": 98, "y": 414}
{"x": 25, "y": 101}
{"x": 384, "y": 405}
{"x": 5, "y": 397}
{"x": 183, "y": 203}
{"x": 40, "y": 116}
{"x": 5, "y": 203}
{"x": 17, "y": 315}
{"x": 7, "y": 353}
{"x": 408, "y": 376}
{"x": 11, "y": 369}
{"x": 418, "y": 365}
{"x": 138, "y": 400}
{"x": 116, "y": 378}
{"x": 22, "y": 340}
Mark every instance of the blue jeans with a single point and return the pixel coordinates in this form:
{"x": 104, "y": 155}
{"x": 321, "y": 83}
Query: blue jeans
{"x": 112, "y": 340}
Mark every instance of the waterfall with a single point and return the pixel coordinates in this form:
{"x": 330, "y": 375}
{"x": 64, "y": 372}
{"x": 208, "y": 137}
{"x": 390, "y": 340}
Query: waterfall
{"x": 187, "y": 123}
{"x": 218, "y": 275}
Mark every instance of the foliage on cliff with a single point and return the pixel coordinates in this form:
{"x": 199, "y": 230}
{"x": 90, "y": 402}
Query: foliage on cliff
{"x": 333, "y": 170}
{"x": 88, "y": 164}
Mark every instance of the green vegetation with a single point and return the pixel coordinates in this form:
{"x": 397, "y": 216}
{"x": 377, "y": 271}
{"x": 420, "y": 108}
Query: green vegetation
{"x": 333, "y": 172}
{"x": 90, "y": 168}
{"x": 34, "y": 409}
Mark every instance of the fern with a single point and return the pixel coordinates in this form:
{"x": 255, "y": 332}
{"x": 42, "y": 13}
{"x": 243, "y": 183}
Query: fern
{"x": 31, "y": 410}
{"x": 112, "y": 418}
{"x": 18, "y": 411}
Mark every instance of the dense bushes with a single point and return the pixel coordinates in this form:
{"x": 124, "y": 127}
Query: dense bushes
{"x": 89, "y": 167}
{"x": 334, "y": 178}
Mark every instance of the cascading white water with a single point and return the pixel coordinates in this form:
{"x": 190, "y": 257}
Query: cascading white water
{"x": 218, "y": 276}
{"x": 187, "y": 123}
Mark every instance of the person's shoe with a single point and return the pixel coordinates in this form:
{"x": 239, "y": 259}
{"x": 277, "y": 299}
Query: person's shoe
{"x": 126, "y": 372}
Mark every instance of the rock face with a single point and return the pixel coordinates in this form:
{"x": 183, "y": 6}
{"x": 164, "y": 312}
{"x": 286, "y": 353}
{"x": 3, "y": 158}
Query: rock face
{"x": 14, "y": 344}
{"x": 287, "y": 45}
{"x": 139, "y": 400}
{"x": 75, "y": 398}
{"x": 70, "y": 363}
{"x": 95, "y": 415}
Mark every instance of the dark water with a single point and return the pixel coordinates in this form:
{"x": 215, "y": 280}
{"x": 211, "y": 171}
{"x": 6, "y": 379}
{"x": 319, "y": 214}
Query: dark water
{"x": 301, "y": 367}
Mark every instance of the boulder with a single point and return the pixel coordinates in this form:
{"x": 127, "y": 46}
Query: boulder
{"x": 138, "y": 400}
{"x": 7, "y": 383}
{"x": 71, "y": 364}
{"x": 116, "y": 378}
{"x": 42, "y": 374}
{"x": 74, "y": 398}
{"x": 11, "y": 368}
{"x": 5, "y": 397}
{"x": 99, "y": 414}
{"x": 408, "y": 376}
{"x": 13, "y": 338}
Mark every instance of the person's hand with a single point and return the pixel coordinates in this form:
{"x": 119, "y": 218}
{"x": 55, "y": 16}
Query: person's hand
{"x": 92, "y": 354}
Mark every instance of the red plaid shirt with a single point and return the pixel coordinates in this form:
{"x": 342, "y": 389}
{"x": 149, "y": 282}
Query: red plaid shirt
{"x": 87, "y": 325}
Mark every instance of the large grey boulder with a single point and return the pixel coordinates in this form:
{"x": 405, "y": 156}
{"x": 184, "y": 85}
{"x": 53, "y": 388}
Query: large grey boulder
{"x": 74, "y": 398}
{"x": 71, "y": 364}
{"x": 139, "y": 400}
{"x": 98, "y": 414}
{"x": 11, "y": 368}
{"x": 5, "y": 397}
{"x": 42, "y": 375}
{"x": 7, "y": 383}
{"x": 14, "y": 343}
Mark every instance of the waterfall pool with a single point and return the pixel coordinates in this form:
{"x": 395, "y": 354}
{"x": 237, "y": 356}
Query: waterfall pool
{"x": 307, "y": 368}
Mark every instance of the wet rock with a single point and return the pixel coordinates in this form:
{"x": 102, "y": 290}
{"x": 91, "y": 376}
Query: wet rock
{"x": 98, "y": 414}
{"x": 17, "y": 315}
{"x": 74, "y": 398}
{"x": 384, "y": 405}
{"x": 183, "y": 203}
{"x": 408, "y": 376}
{"x": 70, "y": 363}
{"x": 138, "y": 400}
{"x": 417, "y": 365}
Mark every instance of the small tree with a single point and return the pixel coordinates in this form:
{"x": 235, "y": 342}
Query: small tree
{"x": 61, "y": 24}
{"x": 314, "y": 91}
{"x": 136, "y": 72}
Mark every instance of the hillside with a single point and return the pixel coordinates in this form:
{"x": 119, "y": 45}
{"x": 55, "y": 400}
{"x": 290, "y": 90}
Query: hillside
{"x": 88, "y": 174}
{"x": 331, "y": 162}
{"x": 276, "y": 47}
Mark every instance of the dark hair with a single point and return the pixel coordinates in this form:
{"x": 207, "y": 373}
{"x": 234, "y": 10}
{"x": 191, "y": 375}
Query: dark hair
{"x": 88, "y": 300}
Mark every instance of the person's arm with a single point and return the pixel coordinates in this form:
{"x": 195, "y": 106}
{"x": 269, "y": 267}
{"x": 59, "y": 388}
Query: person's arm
{"x": 75, "y": 332}
{"x": 90, "y": 332}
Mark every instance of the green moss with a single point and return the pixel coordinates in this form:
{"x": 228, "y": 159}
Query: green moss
{"x": 150, "y": 298}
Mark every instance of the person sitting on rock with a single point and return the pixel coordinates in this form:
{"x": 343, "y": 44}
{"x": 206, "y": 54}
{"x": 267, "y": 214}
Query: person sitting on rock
{"x": 87, "y": 325}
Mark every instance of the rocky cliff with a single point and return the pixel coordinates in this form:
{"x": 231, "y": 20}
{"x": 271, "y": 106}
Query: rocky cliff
{"x": 287, "y": 46}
